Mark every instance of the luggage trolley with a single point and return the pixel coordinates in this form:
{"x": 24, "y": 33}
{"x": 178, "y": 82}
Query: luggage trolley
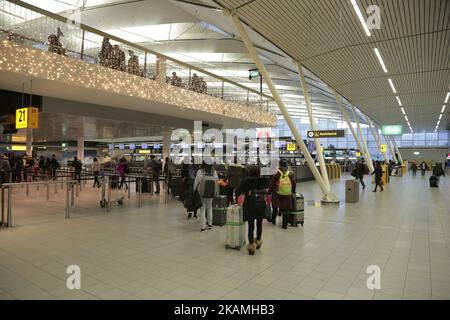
{"x": 104, "y": 201}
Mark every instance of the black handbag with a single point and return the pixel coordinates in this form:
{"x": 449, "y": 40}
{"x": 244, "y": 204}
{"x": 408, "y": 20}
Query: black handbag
{"x": 197, "y": 203}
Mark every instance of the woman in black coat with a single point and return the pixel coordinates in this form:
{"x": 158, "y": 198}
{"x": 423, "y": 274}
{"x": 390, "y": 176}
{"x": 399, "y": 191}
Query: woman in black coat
{"x": 254, "y": 188}
{"x": 378, "y": 172}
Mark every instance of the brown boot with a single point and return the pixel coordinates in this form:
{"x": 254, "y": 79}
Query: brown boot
{"x": 251, "y": 249}
{"x": 258, "y": 244}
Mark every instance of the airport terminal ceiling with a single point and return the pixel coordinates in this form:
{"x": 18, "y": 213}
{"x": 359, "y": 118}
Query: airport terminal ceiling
{"x": 201, "y": 36}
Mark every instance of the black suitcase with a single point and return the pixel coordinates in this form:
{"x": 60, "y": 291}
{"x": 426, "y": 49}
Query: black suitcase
{"x": 176, "y": 185}
{"x": 114, "y": 182}
{"x": 220, "y": 202}
{"x": 146, "y": 186}
{"x": 434, "y": 182}
{"x": 219, "y": 216}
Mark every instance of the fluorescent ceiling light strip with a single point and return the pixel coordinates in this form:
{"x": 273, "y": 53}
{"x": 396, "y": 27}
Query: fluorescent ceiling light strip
{"x": 403, "y": 111}
{"x": 448, "y": 96}
{"x": 443, "y": 108}
{"x": 399, "y": 101}
{"x": 392, "y": 85}
{"x": 440, "y": 117}
{"x": 360, "y": 17}
{"x": 380, "y": 59}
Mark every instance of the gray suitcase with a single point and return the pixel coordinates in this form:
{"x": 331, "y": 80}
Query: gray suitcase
{"x": 297, "y": 216}
{"x": 235, "y": 228}
{"x": 352, "y": 191}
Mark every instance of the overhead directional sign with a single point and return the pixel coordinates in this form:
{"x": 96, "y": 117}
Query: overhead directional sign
{"x": 326, "y": 134}
{"x": 396, "y": 130}
{"x": 291, "y": 147}
{"x": 383, "y": 148}
{"x": 27, "y": 118}
{"x": 254, "y": 73}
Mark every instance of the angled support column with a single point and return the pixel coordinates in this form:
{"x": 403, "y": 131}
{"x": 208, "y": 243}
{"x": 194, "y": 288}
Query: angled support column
{"x": 372, "y": 129}
{"x": 323, "y": 168}
{"x": 368, "y": 157}
{"x": 349, "y": 123}
{"x": 391, "y": 149}
{"x": 398, "y": 151}
{"x": 328, "y": 195}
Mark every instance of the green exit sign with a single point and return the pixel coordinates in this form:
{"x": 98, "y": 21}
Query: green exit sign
{"x": 396, "y": 130}
{"x": 254, "y": 73}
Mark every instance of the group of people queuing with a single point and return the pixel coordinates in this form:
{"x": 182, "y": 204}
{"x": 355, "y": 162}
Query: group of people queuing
{"x": 261, "y": 197}
{"x": 152, "y": 168}
{"x": 196, "y": 83}
{"x": 22, "y": 168}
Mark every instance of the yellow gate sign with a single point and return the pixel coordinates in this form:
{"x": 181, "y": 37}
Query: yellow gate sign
{"x": 291, "y": 147}
{"x": 358, "y": 154}
{"x": 27, "y": 118}
{"x": 383, "y": 148}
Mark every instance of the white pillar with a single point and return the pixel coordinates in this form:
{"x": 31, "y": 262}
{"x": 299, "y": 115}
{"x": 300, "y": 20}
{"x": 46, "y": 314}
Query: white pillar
{"x": 368, "y": 157}
{"x": 372, "y": 129}
{"x": 29, "y": 142}
{"x": 349, "y": 123}
{"x": 323, "y": 168}
{"x": 166, "y": 144}
{"x": 328, "y": 195}
{"x": 398, "y": 151}
{"x": 391, "y": 149}
{"x": 80, "y": 149}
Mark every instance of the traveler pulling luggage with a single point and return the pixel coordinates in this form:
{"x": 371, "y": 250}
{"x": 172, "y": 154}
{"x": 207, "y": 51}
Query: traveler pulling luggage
{"x": 297, "y": 216}
{"x": 235, "y": 228}
{"x": 434, "y": 182}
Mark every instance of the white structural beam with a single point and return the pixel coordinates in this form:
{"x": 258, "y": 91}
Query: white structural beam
{"x": 323, "y": 168}
{"x": 375, "y": 136}
{"x": 328, "y": 195}
{"x": 397, "y": 150}
{"x": 391, "y": 149}
{"x": 368, "y": 157}
{"x": 349, "y": 123}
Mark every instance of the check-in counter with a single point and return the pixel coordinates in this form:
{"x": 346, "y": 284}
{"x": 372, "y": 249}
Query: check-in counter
{"x": 334, "y": 171}
{"x": 302, "y": 173}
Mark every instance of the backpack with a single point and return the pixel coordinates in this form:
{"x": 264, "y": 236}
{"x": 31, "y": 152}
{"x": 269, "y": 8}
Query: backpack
{"x": 257, "y": 199}
{"x": 209, "y": 187}
{"x": 284, "y": 184}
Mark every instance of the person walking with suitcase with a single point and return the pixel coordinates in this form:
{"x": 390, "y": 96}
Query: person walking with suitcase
{"x": 206, "y": 185}
{"x": 423, "y": 168}
{"x": 282, "y": 186}
{"x": 358, "y": 173}
{"x": 378, "y": 172}
{"x": 254, "y": 189}
{"x": 438, "y": 172}
{"x": 188, "y": 174}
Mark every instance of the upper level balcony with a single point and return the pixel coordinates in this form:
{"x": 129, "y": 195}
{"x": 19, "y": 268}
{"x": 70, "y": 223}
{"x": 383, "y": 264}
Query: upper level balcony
{"x": 127, "y": 76}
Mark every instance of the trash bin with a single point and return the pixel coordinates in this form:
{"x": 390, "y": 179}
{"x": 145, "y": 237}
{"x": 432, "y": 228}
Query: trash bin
{"x": 351, "y": 191}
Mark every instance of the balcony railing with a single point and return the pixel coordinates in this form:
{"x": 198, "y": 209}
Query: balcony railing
{"x": 47, "y": 31}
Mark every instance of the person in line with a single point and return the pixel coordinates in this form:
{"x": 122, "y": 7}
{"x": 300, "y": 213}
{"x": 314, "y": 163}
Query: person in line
{"x": 156, "y": 172}
{"x": 5, "y": 170}
{"x": 96, "y": 170}
{"x": 378, "y": 173}
{"x": 122, "y": 170}
{"x": 414, "y": 169}
{"x": 54, "y": 164}
{"x": 254, "y": 188}
{"x": 78, "y": 167}
{"x": 282, "y": 186}
{"x": 169, "y": 170}
{"x": 235, "y": 174}
{"x": 188, "y": 174}
{"x": 423, "y": 168}
{"x": 206, "y": 184}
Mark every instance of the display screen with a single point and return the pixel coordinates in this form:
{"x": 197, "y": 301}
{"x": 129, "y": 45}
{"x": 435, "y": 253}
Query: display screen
{"x": 144, "y": 146}
{"x": 157, "y": 146}
{"x": 132, "y": 146}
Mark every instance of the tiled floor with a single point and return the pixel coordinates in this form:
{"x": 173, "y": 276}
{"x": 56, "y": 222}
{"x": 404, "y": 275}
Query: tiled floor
{"x": 156, "y": 253}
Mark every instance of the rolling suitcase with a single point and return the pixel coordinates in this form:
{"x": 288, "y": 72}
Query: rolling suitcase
{"x": 220, "y": 211}
{"x": 434, "y": 182}
{"x": 297, "y": 216}
{"x": 235, "y": 228}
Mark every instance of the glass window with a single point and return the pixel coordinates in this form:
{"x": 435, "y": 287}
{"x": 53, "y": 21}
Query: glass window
{"x": 419, "y": 142}
{"x": 431, "y": 136}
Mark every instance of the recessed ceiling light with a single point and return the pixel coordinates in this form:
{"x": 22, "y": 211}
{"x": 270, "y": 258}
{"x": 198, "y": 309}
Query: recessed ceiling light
{"x": 380, "y": 59}
{"x": 443, "y": 108}
{"x": 360, "y": 17}
{"x": 392, "y": 85}
{"x": 399, "y": 101}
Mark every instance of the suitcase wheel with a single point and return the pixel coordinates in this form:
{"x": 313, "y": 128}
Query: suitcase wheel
{"x": 103, "y": 203}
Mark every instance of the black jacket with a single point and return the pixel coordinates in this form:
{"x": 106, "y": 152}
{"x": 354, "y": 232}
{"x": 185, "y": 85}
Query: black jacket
{"x": 378, "y": 172}
{"x": 253, "y": 207}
